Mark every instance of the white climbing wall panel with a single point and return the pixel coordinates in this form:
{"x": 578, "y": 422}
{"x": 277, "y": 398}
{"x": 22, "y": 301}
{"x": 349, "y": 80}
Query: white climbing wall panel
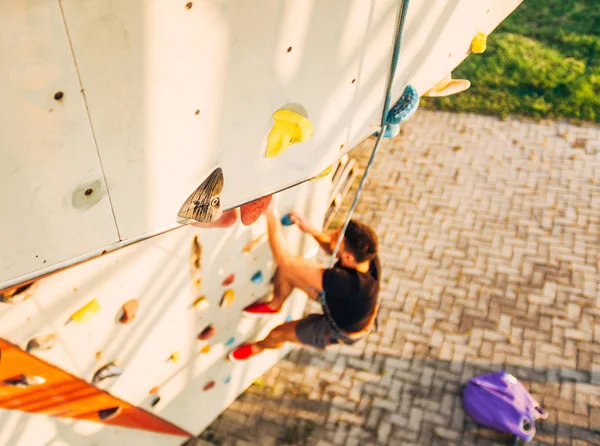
{"x": 161, "y": 275}
{"x": 48, "y": 158}
{"x": 174, "y": 89}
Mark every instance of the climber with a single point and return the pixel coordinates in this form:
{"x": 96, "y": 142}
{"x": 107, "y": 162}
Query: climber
{"x": 348, "y": 291}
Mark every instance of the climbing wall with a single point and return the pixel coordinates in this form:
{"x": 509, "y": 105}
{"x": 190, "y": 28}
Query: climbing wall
{"x": 168, "y": 352}
{"x": 114, "y": 112}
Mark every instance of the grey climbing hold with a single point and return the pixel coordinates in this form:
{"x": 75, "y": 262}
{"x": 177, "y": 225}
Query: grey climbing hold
{"x": 24, "y": 381}
{"x": 107, "y": 414}
{"x": 204, "y": 204}
{"x": 45, "y": 342}
{"x": 18, "y": 294}
{"x": 108, "y": 371}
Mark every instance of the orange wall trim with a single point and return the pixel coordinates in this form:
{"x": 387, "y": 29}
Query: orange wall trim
{"x": 64, "y": 395}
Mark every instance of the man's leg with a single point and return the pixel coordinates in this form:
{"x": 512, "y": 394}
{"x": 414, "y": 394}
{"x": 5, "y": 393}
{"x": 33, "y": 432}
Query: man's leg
{"x": 277, "y": 337}
{"x": 282, "y": 288}
{"x": 283, "y": 285}
{"x": 313, "y": 330}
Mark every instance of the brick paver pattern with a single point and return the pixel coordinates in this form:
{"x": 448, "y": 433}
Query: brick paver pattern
{"x": 490, "y": 245}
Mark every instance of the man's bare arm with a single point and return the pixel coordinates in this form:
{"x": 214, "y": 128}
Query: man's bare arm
{"x": 307, "y": 271}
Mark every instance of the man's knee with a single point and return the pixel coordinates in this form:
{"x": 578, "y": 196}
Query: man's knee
{"x": 284, "y": 332}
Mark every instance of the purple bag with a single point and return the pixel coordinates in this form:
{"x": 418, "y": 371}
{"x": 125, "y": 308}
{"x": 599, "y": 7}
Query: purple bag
{"x": 501, "y": 402}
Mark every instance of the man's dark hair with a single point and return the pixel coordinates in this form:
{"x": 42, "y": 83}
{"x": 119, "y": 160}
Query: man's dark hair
{"x": 361, "y": 241}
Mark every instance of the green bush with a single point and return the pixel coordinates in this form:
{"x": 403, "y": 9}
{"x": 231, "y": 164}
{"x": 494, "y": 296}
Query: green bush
{"x": 543, "y": 61}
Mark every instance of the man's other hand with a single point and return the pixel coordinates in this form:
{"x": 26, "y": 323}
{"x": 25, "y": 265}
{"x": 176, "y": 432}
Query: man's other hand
{"x": 301, "y": 222}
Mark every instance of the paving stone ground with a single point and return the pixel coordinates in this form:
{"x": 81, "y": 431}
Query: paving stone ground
{"x": 490, "y": 243}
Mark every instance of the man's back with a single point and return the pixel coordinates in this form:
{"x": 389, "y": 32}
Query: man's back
{"x": 352, "y": 295}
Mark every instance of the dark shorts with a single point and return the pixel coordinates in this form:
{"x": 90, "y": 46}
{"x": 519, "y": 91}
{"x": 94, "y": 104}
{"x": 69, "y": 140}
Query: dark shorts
{"x": 314, "y": 330}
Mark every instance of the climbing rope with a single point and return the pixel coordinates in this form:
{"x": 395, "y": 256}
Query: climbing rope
{"x": 384, "y": 124}
{"x": 399, "y": 114}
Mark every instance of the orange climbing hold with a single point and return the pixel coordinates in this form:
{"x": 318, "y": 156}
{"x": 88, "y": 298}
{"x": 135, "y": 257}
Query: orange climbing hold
{"x": 448, "y": 86}
{"x": 228, "y": 280}
{"x": 253, "y": 210}
{"x": 209, "y": 385}
{"x": 129, "y": 309}
{"x": 205, "y": 349}
{"x": 154, "y": 390}
{"x": 253, "y": 243}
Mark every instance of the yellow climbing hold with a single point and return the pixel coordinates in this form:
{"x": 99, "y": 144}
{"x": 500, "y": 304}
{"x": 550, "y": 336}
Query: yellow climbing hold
{"x": 289, "y": 128}
{"x": 205, "y": 349}
{"x": 228, "y": 298}
{"x": 478, "y": 44}
{"x": 175, "y": 356}
{"x": 448, "y": 86}
{"x": 86, "y": 312}
{"x": 323, "y": 174}
{"x": 200, "y": 303}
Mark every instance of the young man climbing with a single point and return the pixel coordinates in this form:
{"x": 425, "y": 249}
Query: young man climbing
{"x": 350, "y": 288}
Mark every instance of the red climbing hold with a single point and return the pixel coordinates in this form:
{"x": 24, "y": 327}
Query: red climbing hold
{"x": 228, "y": 280}
{"x": 209, "y": 385}
{"x": 130, "y": 309}
{"x": 207, "y": 333}
{"x": 251, "y": 211}
{"x": 225, "y": 221}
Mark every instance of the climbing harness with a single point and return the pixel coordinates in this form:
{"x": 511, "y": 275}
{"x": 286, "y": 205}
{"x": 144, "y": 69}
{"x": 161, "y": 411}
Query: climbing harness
{"x": 405, "y": 108}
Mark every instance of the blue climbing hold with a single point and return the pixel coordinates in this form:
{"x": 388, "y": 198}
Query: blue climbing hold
{"x": 257, "y": 278}
{"x": 230, "y": 342}
{"x": 406, "y": 106}
{"x": 288, "y": 318}
{"x": 286, "y": 220}
{"x": 391, "y": 130}
{"x": 227, "y": 380}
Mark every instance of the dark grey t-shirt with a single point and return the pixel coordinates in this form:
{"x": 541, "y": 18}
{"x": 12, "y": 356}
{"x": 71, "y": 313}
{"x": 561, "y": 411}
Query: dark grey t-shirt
{"x": 352, "y": 295}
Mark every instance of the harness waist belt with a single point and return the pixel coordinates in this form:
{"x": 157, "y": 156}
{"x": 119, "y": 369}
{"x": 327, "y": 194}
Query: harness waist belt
{"x": 341, "y": 334}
